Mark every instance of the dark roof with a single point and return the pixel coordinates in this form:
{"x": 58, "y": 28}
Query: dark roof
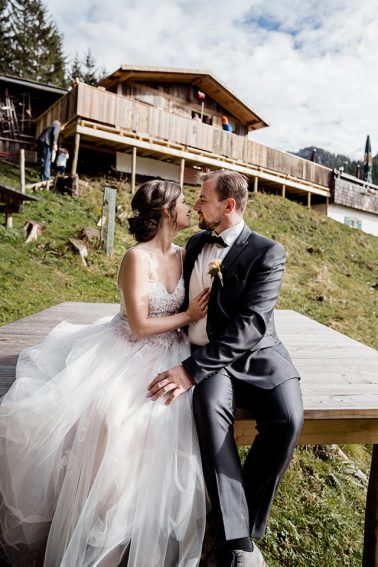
{"x": 31, "y": 84}
{"x": 203, "y": 80}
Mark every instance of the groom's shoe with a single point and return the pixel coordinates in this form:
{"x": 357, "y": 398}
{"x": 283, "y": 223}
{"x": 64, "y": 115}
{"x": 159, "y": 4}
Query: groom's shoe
{"x": 236, "y": 558}
{"x": 241, "y": 558}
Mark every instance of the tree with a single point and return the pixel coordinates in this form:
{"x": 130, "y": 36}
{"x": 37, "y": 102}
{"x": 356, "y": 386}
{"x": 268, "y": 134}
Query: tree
{"x": 85, "y": 69}
{"x": 5, "y": 40}
{"x": 90, "y": 70}
{"x": 37, "y": 45}
{"x": 31, "y": 47}
{"x": 76, "y": 72}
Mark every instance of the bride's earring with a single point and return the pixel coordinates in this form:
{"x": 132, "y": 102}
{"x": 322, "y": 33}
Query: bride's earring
{"x": 168, "y": 215}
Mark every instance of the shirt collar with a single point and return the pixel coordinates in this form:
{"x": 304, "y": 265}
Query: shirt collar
{"x": 230, "y": 234}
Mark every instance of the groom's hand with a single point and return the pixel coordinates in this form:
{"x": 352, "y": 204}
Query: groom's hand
{"x": 172, "y": 382}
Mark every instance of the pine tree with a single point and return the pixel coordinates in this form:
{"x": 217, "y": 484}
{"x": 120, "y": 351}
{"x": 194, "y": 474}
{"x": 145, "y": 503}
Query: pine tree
{"x": 85, "y": 69}
{"x": 37, "y": 43}
{"x": 90, "y": 70}
{"x": 5, "y": 38}
{"x": 76, "y": 72}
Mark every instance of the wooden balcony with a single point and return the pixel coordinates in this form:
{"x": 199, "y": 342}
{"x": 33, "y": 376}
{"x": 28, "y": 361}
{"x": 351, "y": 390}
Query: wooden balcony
{"x": 128, "y": 119}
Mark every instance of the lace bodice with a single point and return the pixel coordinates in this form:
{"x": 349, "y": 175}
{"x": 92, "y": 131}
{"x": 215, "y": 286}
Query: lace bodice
{"x": 161, "y": 303}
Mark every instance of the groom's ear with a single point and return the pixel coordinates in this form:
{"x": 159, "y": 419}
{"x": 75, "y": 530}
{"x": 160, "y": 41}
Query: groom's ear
{"x": 230, "y": 205}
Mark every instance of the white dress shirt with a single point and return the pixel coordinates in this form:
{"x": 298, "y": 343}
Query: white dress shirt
{"x": 200, "y": 278}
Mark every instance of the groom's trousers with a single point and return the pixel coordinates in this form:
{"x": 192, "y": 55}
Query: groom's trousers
{"x": 241, "y": 498}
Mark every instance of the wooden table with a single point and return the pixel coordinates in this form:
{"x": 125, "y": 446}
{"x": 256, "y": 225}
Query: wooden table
{"x": 339, "y": 384}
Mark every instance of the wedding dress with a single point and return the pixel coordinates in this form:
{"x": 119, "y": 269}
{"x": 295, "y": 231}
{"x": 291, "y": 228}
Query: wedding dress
{"x": 89, "y": 466}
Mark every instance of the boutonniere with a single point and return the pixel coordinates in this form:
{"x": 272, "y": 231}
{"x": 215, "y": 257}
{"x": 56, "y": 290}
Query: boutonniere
{"x": 215, "y": 270}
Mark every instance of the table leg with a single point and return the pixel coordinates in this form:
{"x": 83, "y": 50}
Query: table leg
{"x": 370, "y": 556}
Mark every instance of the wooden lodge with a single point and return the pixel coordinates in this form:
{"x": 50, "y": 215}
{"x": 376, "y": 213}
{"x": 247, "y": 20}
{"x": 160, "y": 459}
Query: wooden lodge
{"x": 168, "y": 123}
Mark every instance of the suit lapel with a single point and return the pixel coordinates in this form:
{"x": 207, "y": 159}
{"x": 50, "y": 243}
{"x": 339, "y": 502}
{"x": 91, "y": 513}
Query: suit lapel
{"x": 239, "y": 244}
{"x": 237, "y": 247}
{"x": 194, "y": 251}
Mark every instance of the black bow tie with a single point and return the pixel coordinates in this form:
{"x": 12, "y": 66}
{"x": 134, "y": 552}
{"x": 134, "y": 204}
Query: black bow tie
{"x": 212, "y": 239}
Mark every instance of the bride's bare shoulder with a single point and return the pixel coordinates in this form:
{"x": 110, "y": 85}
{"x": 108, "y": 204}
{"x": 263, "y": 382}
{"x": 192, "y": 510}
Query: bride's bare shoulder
{"x": 135, "y": 258}
{"x": 135, "y": 253}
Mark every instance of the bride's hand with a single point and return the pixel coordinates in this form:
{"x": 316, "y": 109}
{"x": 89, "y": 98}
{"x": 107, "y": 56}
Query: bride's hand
{"x": 198, "y": 306}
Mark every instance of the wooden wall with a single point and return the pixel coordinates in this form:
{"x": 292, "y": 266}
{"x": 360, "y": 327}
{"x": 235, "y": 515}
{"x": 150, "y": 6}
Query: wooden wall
{"x": 129, "y": 115}
{"x": 353, "y": 195}
{"x": 65, "y": 110}
{"x": 179, "y": 98}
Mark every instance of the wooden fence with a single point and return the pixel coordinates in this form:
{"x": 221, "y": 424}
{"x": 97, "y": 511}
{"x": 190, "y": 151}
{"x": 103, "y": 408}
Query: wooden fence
{"x": 126, "y": 114}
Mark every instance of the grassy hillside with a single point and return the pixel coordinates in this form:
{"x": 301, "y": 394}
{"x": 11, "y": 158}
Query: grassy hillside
{"x": 331, "y": 276}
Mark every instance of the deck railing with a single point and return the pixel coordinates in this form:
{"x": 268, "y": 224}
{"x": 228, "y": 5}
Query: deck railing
{"x": 129, "y": 115}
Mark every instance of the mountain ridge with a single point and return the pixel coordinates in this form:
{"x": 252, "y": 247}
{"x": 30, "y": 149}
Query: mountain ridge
{"x": 336, "y": 161}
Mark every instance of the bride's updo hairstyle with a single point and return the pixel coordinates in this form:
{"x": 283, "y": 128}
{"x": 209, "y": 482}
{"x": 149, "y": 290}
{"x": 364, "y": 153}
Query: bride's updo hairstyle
{"x": 147, "y": 206}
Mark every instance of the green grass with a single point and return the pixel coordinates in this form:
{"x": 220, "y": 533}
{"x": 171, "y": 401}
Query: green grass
{"x": 318, "y": 514}
{"x": 331, "y": 276}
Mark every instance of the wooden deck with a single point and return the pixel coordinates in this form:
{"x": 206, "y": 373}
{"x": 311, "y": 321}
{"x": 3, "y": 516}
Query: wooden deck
{"x": 339, "y": 384}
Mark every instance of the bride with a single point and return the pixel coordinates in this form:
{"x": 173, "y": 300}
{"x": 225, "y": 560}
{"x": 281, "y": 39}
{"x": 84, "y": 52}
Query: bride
{"x": 92, "y": 471}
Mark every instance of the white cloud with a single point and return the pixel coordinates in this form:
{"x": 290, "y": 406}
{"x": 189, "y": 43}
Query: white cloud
{"x": 308, "y": 68}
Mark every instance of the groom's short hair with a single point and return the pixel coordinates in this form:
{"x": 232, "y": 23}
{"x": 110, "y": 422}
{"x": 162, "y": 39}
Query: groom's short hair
{"x": 230, "y": 184}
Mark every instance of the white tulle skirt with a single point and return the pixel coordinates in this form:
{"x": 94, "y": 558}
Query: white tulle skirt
{"x": 90, "y": 467}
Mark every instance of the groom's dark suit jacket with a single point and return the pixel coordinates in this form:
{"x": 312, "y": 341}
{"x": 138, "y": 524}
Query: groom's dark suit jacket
{"x": 240, "y": 321}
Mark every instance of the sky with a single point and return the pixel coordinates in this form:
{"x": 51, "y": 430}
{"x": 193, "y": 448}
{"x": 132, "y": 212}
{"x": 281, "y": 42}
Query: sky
{"x": 308, "y": 68}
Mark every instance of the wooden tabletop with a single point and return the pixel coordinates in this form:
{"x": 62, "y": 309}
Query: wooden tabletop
{"x": 339, "y": 375}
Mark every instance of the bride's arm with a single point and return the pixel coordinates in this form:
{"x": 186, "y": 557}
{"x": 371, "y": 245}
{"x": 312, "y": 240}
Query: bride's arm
{"x": 133, "y": 280}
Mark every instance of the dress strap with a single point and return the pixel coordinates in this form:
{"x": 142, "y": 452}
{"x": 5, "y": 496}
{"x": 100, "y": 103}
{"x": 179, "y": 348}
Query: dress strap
{"x": 124, "y": 256}
{"x": 181, "y": 252}
{"x": 148, "y": 257}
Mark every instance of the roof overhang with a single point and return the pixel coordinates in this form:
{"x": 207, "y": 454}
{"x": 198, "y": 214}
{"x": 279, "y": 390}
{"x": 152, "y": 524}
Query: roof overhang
{"x": 28, "y": 83}
{"x": 203, "y": 80}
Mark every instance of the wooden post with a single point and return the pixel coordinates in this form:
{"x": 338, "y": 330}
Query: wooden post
{"x": 76, "y": 154}
{"x": 182, "y": 170}
{"x": 255, "y": 184}
{"x": 8, "y": 219}
{"x": 133, "y": 169}
{"x": 370, "y": 555}
{"x": 108, "y": 220}
{"x": 22, "y": 170}
{"x": 283, "y": 191}
{"x": 309, "y": 200}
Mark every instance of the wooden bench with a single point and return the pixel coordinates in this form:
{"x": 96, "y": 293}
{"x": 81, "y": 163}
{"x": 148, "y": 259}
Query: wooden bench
{"x": 11, "y": 202}
{"x": 339, "y": 384}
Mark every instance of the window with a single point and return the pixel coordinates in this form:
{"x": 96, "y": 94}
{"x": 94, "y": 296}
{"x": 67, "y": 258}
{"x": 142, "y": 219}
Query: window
{"x": 353, "y": 222}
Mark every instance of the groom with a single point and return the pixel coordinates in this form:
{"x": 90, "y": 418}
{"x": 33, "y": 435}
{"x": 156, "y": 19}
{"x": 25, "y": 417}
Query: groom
{"x": 237, "y": 361}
